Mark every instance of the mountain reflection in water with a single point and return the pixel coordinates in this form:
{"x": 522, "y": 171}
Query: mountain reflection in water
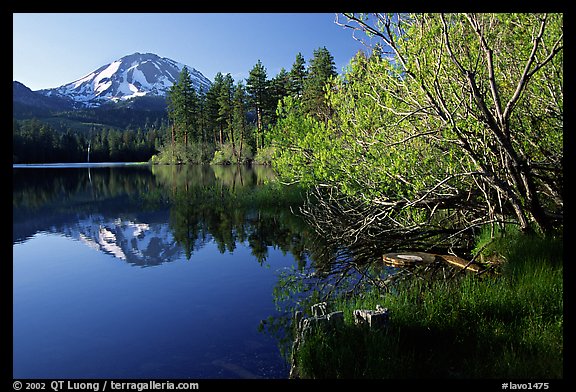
{"x": 147, "y": 216}
{"x": 210, "y": 243}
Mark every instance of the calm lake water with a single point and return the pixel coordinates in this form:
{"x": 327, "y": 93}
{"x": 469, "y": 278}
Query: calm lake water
{"x": 148, "y": 272}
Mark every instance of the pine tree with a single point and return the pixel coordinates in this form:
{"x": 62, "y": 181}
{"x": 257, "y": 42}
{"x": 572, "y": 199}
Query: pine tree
{"x": 257, "y": 88}
{"x": 212, "y": 108}
{"x": 225, "y": 108}
{"x": 201, "y": 116}
{"x": 322, "y": 69}
{"x": 279, "y": 88}
{"x": 239, "y": 115}
{"x": 297, "y": 76}
{"x": 182, "y": 107}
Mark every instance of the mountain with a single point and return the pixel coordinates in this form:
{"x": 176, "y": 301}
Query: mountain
{"x": 28, "y": 101}
{"x": 62, "y": 113}
{"x": 135, "y": 75}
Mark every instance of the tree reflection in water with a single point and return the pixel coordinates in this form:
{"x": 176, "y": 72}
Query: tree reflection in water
{"x": 200, "y": 204}
{"x": 182, "y": 209}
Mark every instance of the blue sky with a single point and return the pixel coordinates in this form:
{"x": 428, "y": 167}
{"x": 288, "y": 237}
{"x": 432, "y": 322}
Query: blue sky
{"x": 51, "y": 49}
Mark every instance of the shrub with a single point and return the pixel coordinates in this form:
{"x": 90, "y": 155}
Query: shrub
{"x": 226, "y": 156}
{"x": 264, "y": 156}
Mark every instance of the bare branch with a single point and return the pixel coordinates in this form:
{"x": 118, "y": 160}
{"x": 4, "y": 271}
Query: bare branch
{"x": 491, "y": 78}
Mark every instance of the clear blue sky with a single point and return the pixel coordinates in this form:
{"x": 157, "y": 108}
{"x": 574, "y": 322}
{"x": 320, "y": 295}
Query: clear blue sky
{"x": 51, "y": 49}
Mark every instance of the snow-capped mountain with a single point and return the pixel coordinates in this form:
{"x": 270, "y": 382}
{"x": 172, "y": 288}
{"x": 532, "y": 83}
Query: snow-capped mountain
{"x": 135, "y": 75}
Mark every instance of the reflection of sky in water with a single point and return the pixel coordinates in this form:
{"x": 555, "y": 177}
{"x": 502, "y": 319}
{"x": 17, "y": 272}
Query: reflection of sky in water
{"x": 79, "y": 314}
{"x": 82, "y": 309}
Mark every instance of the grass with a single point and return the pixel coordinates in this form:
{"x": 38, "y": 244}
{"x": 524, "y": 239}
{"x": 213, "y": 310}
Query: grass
{"x": 504, "y": 326}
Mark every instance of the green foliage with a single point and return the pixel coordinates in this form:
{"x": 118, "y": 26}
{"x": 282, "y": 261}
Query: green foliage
{"x": 225, "y": 98}
{"x": 258, "y": 92}
{"x": 320, "y": 73}
{"x": 194, "y": 153}
{"x": 264, "y": 156}
{"x": 414, "y": 126}
{"x": 227, "y": 155}
{"x": 223, "y": 156}
{"x": 279, "y": 87}
{"x": 297, "y": 76}
{"x": 37, "y": 142}
{"x": 214, "y": 125}
{"x": 183, "y": 109}
{"x": 302, "y": 145}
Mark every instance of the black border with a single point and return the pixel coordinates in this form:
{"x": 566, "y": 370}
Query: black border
{"x": 311, "y": 6}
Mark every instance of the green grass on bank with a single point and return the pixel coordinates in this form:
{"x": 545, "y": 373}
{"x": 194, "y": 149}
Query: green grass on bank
{"x": 505, "y": 326}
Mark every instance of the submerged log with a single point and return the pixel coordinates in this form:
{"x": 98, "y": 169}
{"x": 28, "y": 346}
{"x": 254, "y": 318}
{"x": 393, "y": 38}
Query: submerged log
{"x": 407, "y": 259}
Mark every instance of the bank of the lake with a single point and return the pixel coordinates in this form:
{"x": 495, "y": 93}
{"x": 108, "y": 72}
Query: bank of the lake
{"x": 64, "y": 165}
{"x": 508, "y": 325}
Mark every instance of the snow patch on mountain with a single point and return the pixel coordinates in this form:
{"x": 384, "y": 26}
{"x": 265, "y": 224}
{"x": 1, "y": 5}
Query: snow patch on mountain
{"x": 131, "y": 76}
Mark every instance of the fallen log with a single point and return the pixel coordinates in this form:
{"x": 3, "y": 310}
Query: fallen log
{"x": 407, "y": 259}
{"x": 459, "y": 262}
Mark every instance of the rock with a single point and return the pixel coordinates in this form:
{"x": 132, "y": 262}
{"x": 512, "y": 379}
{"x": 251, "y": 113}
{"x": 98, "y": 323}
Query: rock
{"x": 319, "y": 319}
{"x": 297, "y": 316}
{"x": 324, "y": 321}
{"x": 335, "y": 318}
{"x": 375, "y": 319}
{"x": 318, "y": 309}
{"x": 305, "y": 325}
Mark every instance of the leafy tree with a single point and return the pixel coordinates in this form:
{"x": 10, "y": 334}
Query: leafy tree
{"x": 114, "y": 143}
{"x": 458, "y": 122}
{"x": 201, "y": 117}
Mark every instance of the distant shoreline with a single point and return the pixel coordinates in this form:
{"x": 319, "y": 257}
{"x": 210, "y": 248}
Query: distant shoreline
{"x": 74, "y": 165}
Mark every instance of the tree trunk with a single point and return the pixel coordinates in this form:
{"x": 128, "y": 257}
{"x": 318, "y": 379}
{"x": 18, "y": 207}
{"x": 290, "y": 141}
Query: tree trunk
{"x": 232, "y": 139}
{"x": 241, "y": 141}
{"x": 533, "y": 203}
{"x": 260, "y": 133}
{"x": 173, "y": 136}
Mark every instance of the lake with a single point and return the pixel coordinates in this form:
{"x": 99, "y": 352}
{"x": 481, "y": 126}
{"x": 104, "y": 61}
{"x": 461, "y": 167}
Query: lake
{"x": 148, "y": 271}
